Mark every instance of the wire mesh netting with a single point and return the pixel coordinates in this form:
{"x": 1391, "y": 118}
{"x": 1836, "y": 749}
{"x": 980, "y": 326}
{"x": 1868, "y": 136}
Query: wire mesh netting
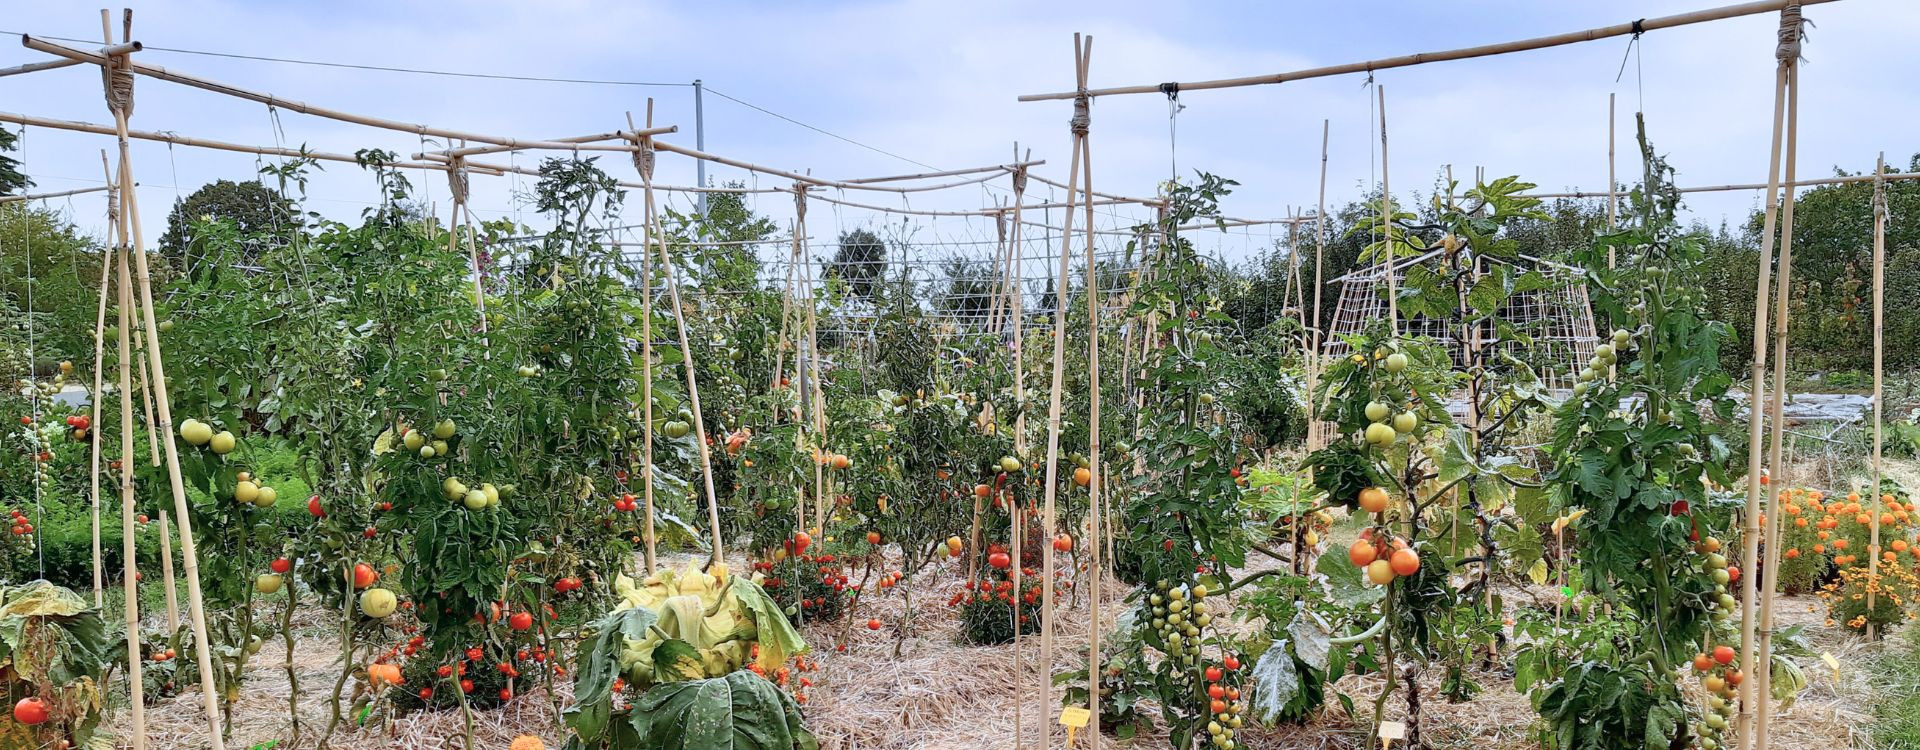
{"x": 1555, "y": 324}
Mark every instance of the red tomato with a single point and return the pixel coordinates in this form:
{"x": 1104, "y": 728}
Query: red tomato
{"x": 364, "y": 575}
{"x": 30, "y": 710}
{"x": 520, "y": 621}
{"x": 281, "y": 565}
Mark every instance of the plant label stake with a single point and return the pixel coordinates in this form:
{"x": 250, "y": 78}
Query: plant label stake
{"x": 1074, "y": 718}
{"x": 1390, "y": 731}
{"x": 1832, "y": 663}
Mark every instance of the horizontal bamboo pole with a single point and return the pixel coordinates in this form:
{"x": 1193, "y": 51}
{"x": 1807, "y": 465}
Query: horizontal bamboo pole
{"x": 1098, "y": 194}
{"x": 499, "y": 169}
{"x": 904, "y": 211}
{"x": 1894, "y": 176}
{"x": 795, "y": 176}
{"x": 44, "y": 196}
{"x": 181, "y": 140}
{"x": 1421, "y": 58}
{"x": 36, "y": 67}
{"x": 950, "y": 172}
{"x": 156, "y": 71}
{"x": 578, "y": 142}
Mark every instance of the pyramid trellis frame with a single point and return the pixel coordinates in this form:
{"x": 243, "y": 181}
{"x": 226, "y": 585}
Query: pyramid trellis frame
{"x": 1558, "y": 319}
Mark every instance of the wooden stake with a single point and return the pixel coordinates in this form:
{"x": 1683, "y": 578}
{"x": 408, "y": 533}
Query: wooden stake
{"x": 1763, "y": 675}
{"x": 1756, "y": 427}
{"x": 1612, "y": 202}
{"x": 819, "y": 399}
{"x": 130, "y": 225}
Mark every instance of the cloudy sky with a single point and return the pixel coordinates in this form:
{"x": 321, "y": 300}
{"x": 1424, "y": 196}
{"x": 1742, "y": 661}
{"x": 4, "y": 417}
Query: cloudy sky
{"x": 935, "y": 82}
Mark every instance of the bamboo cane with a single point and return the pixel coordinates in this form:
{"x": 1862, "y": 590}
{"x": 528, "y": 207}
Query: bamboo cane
{"x": 129, "y": 570}
{"x": 1879, "y": 372}
{"x": 181, "y": 140}
{"x": 1017, "y": 298}
{"x": 693, "y": 397}
{"x": 1756, "y": 427}
{"x": 5, "y": 199}
{"x": 99, "y": 359}
{"x": 1770, "y": 567}
{"x": 1094, "y": 498}
{"x": 1370, "y": 66}
{"x": 650, "y": 233}
{"x": 1611, "y": 201}
{"x": 130, "y": 224}
{"x": 166, "y": 573}
{"x": 819, "y": 400}
{"x": 1386, "y": 228}
{"x": 1053, "y": 408}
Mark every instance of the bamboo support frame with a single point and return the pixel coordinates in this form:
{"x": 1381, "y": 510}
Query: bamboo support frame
{"x": 1059, "y": 335}
{"x": 650, "y": 233}
{"x": 1422, "y": 58}
{"x": 1017, "y": 299}
{"x": 1386, "y": 228}
{"x": 572, "y": 143}
{"x": 693, "y": 397}
{"x": 130, "y": 574}
{"x": 819, "y": 399}
{"x": 37, "y": 67}
{"x": 1814, "y": 182}
{"x": 1770, "y": 566}
{"x": 130, "y": 226}
{"x": 1878, "y": 504}
{"x": 166, "y": 573}
{"x": 99, "y": 385}
{"x": 5, "y": 199}
{"x": 1083, "y": 141}
{"x": 1000, "y": 168}
{"x": 181, "y": 140}
{"x": 1756, "y": 427}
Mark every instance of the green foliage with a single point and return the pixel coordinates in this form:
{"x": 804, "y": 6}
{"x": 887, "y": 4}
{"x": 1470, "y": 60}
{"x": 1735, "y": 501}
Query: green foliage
{"x": 860, "y": 262}
{"x": 261, "y": 218}
{"x": 12, "y": 180}
{"x": 55, "y": 648}
{"x": 1637, "y": 476}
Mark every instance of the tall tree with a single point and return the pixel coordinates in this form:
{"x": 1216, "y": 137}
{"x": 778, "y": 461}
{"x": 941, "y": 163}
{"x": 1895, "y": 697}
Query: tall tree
{"x": 264, "y": 218}
{"x": 860, "y": 262}
{"x": 11, "y": 179}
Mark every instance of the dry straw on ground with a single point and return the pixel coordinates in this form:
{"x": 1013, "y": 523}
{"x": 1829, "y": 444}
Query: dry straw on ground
{"x": 939, "y": 694}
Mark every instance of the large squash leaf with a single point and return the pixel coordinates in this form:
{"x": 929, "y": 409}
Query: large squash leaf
{"x": 741, "y": 711}
{"x": 599, "y": 665}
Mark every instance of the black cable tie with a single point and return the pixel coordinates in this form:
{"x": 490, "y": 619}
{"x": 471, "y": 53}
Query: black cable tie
{"x": 1171, "y": 89}
{"x": 1639, "y": 27}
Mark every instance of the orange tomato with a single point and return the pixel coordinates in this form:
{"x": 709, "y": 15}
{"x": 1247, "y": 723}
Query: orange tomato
{"x": 1405, "y": 562}
{"x": 1361, "y": 554}
{"x": 1373, "y": 500}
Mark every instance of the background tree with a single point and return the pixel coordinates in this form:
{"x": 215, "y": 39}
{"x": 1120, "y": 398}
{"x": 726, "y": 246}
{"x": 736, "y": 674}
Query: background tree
{"x": 11, "y": 179}
{"x": 264, "y": 218}
{"x": 860, "y": 262}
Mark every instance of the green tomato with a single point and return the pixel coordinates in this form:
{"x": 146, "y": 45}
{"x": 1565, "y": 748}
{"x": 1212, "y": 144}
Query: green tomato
{"x": 1396, "y": 362}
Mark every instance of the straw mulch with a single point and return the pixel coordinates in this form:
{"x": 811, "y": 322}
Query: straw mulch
{"x": 937, "y": 693}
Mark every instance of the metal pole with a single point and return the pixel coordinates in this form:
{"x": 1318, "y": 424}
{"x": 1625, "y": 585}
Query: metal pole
{"x": 700, "y": 142}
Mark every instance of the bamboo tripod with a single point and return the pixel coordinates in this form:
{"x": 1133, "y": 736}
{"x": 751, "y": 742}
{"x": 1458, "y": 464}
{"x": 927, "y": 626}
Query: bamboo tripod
{"x": 118, "y": 83}
{"x": 1081, "y": 169}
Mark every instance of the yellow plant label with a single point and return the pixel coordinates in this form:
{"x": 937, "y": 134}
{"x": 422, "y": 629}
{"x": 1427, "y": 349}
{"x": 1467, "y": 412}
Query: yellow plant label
{"x": 1832, "y": 663}
{"x": 1074, "y": 717}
